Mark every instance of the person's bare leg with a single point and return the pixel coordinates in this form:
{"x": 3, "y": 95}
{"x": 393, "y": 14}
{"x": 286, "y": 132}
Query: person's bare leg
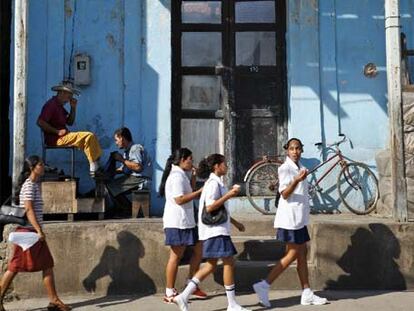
{"x": 302, "y": 267}
{"x": 4, "y": 285}
{"x": 228, "y": 271}
{"x": 207, "y": 268}
{"x": 195, "y": 259}
{"x": 49, "y": 282}
{"x": 290, "y": 256}
{"x": 176, "y": 253}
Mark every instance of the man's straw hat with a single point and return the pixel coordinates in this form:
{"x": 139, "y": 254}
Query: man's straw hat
{"x": 66, "y": 86}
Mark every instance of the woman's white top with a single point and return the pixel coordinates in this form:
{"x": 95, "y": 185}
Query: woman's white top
{"x": 293, "y": 213}
{"x": 175, "y": 215}
{"x": 213, "y": 190}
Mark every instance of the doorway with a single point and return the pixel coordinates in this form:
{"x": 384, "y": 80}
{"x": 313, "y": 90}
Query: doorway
{"x": 229, "y": 79}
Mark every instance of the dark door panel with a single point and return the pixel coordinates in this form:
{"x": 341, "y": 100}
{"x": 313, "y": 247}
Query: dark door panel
{"x": 256, "y": 137}
{"x": 229, "y": 74}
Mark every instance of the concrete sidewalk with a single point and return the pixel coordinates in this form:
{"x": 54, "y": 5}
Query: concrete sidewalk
{"x": 281, "y": 300}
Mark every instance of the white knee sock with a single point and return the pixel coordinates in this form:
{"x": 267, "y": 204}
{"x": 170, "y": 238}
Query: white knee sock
{"x": 190, "y": 288}
{"x": 231, "y": 295}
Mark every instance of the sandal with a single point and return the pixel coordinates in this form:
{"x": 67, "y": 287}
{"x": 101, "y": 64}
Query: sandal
{"x": 60, "y": 306}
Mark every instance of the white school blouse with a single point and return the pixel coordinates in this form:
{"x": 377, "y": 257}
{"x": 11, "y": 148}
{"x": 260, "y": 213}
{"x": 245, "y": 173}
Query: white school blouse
{"x": 293, "y": 213}
{"x": 211, "y": 192}
{"x": 175, "y": 215}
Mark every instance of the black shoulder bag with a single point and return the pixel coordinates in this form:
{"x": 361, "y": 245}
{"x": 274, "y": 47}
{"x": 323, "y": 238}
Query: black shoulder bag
{"x": 216, "y": 217}
{"x": 12, "y": 214}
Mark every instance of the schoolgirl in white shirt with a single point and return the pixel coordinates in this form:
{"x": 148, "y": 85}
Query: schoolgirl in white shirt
{"x": 291, "y": 219}
{"x": 178, "y": 219}
{"x": 216, "y": 238}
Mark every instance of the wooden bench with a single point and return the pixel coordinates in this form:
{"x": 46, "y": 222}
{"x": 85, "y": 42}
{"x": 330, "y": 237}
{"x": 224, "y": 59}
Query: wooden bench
{"x": 141, "y": 199}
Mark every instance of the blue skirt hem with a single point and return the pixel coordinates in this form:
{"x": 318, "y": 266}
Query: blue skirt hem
{"x": 299, "y": 236}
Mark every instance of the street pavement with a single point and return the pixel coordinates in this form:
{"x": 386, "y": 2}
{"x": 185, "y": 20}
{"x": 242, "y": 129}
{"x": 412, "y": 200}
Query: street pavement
{"x": 281, "y": 300}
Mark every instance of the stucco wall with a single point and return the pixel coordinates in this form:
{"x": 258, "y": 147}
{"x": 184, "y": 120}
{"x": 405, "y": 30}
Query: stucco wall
{"x": 129, "y": 257}
{"x": 328, "y": 44}
{"x": 129, "y": 46}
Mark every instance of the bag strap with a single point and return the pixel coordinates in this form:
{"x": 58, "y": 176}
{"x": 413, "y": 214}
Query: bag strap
{"x": 7, "y": 201}
{"x": 221, "y": 194}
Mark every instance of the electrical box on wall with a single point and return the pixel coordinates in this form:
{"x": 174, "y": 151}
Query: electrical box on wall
{"x": 82, "y": 69}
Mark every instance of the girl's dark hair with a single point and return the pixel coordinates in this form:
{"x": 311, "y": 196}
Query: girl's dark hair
{"x": 206, "y": 166}
{"x": 286, "y": 146}
{"x": 175, "y": 158}
{"x": 29, "y": 164}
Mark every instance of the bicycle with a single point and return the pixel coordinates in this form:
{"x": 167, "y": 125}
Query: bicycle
{"x": 262, "y": 184}
{"x": 356, "y": 184}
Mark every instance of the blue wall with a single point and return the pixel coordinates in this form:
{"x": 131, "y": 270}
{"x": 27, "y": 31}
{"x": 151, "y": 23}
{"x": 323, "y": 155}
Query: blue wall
{"x": 129, "y": 45}
{"x": 328, "y": 43}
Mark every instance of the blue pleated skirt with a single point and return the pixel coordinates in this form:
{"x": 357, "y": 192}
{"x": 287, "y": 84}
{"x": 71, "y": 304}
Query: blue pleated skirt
{"x": 298, "y": 236}
{"x": 181, "y": 237}
{"x": 218, "y": 247}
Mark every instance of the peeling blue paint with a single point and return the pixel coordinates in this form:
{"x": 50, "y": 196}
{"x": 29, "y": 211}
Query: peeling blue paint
{"x": 328, "y": 44}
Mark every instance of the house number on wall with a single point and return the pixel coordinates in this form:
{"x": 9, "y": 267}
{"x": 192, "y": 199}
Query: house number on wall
{"x": 254, "y": 68}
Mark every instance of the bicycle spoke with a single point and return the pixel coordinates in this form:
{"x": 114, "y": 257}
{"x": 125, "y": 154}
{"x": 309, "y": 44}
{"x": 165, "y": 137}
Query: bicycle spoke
{"x": 261, "y": 187}
{"x": 358, "y": 188}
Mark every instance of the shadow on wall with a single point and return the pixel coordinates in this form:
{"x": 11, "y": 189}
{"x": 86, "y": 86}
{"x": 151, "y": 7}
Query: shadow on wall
{"x": 122, "y": 266}
{"x": 370, "y": 261}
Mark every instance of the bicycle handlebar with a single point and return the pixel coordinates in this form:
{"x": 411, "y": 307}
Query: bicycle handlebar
{"x": 335, "y": 144}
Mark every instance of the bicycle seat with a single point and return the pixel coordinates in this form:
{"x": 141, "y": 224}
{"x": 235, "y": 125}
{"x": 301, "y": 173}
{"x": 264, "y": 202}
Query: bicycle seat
{"x": 318, "y": 144}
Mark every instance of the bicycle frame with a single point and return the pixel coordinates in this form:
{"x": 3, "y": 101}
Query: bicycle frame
{"x": 341, "y": 161}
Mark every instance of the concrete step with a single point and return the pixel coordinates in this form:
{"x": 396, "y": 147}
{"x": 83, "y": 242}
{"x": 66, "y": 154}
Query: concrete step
{"x": 246, "y": 274}
{"x": 251, "y": 248}
{"x": 258, "y": 248}
{"x": 256, "y": 225}
{"x": 119, "y": 256}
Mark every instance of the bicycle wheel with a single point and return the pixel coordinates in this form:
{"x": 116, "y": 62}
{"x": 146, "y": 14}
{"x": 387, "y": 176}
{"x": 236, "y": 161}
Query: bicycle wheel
{"x": 358, "y": 188}
{"x": 261, "y": 187}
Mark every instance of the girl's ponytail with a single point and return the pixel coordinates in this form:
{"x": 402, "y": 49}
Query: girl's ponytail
{"x": 165, "y": 174}
{"x": 175, "y": 158}
{"x": 203, "y": 170}
{"x": 206, "y": 166}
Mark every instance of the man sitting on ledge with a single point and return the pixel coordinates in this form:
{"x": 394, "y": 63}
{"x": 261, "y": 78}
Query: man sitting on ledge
{"x": 136, "y": 168}
{"x": 54, "y": 118}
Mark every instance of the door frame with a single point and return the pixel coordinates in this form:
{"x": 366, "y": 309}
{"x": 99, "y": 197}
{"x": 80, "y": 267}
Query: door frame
{"x": 228, "y": 28}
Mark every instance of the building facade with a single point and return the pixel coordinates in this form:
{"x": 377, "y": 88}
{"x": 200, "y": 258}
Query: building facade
{"x": 232, "y": 76}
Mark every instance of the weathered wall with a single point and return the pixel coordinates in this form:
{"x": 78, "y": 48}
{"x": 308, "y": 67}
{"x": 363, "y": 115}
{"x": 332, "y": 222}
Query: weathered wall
{"x": 129, "y": 257}
{"x": 5, "y": 29}
{"x": 129, "y": 46}
{"x": 328, "y": 44}
{"x": 408, "y": 119}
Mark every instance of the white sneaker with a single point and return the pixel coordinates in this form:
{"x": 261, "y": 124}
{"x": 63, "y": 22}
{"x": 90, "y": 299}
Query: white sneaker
{"x": 181, "y": 303}
{"x": 262, "y": 293}
{"x": 237, "y": 308}
{"x": 312, "y": 299}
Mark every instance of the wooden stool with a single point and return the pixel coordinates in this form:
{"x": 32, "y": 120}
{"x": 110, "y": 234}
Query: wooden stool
{"x": 141, "y": 199}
